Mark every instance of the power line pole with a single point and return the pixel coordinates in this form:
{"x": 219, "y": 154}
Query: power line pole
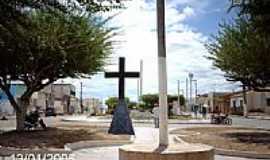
{"x": 141, "y": 78}
{"x": 178, "y": 92}
{"x": 196, "y": 90}
{"x": 190, "y": 75}
{"x": 138, "y": 91}
{"x": 162, "y": 70}
{"x": 187, "y": 99}
{"x": 81, "y": 100}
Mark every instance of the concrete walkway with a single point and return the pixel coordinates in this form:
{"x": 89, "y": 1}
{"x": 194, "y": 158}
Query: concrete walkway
{"x": 143, "y": 135}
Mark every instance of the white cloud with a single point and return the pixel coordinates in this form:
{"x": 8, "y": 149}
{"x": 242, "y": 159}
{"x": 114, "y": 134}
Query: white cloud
{"x": 185, "y": 51}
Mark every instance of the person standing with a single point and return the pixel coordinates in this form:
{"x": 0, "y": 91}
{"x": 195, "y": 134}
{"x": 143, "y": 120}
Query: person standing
{"x": 156, "y": 115}
{"x": 204, "y": 112}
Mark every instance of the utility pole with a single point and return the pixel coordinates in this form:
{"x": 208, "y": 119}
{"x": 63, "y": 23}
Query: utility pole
{"x": 162, "y": 71}
{"x": 196, "y": 90}
{"x": 81, "y": 100}
{"x": 187, "y": 103}
{"x": 141, "y": 78}
{"x": 190, "y": 75}
{"x": 138, "y": 91}
{"x": 178, "y": 93}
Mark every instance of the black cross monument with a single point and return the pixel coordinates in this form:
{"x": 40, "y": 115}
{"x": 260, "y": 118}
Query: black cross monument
{"x": 121, "y": 123}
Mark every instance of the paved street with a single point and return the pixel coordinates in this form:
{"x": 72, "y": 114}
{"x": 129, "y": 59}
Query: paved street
{"x": 144, "y": 133}
{"x": 255, "y": 123}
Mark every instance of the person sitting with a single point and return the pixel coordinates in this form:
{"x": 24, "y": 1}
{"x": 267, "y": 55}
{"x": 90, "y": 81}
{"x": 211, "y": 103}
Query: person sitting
{"x": 32, "y": 120}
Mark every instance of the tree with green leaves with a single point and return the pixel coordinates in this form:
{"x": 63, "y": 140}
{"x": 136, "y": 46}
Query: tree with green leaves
{"x": 55, "y": 46}
{"x": 257, "y": 12}
{"x": 241, "y": 49}
{"x": 242, "y": 54}
{"x": 112, "y": 102}
{"x": 149, "y": 100}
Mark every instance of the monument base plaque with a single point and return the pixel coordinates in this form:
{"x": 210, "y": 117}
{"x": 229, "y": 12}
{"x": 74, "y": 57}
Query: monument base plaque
{"x": 121, "y": 122}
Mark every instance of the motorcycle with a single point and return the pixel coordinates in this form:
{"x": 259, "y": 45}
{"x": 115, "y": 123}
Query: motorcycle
{"x": 33, "y": 120}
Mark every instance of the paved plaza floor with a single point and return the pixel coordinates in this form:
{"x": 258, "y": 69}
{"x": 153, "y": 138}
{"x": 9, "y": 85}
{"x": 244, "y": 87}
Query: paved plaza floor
{"x": 144, "y": 133}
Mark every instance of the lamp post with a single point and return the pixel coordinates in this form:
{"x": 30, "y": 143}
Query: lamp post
{"x": 187, "y": 99}
{"x": 81, "y": 100}
{"x": 190, "y": 75}
{"x": 196, "y": 90}
{"x": 178, "y": 93}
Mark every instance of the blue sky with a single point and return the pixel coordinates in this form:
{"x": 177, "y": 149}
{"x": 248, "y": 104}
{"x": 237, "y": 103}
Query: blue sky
{"x": 189, "y": 24}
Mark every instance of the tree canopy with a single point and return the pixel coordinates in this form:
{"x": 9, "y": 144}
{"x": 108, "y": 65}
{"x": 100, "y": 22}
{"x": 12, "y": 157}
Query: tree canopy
{"x": 112, "y": 102}
{"x": 257, "y": 12}
{"x": 149, "y": 100}
{"x": 54, "y": 46}
{"x": 241, "y": 48}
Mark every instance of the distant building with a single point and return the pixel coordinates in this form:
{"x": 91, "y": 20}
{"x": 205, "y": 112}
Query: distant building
{"x": 57, "y": 96}
{"x": 233, "y": 103}
{"x": 215, "y": 101}
{"x": 256, "y": 101}
{"x": 92, "y": 105}
{"x": 61, "y": 97}
{"x": 16, "y": 90}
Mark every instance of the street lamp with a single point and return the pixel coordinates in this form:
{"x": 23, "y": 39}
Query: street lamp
{"x": 190, "y": 75}
{"x": 196, "y": 90}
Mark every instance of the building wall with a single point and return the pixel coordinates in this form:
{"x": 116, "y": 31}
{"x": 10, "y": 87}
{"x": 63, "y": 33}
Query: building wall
{"x": 255, "y": 101}
{"x": 91, "y": 105}
{"x": 57, "y": 95}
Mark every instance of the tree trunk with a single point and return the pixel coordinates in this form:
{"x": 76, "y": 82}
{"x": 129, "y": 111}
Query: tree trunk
{"x": 245, "y": 110}
{"x": 20, "y": 115}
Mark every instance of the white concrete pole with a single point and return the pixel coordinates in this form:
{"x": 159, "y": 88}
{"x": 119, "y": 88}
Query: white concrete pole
{"x": 141, "y": 77}
{"x": 196, "y": 91}
{"x": 138, "y": 91}
{"x": 162, "y": 70}
{"x": 190, "y": 92}
{"x": 187, "y": 99}
{"x": 178, "y": 93}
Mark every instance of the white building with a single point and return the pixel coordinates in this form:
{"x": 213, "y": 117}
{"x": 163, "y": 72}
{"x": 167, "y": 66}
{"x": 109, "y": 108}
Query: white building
{"x": 256, "y": 101}
{"x": 91, "y": 105}
{"x": 61, "y": 97}
{"x": 94, "y": 106}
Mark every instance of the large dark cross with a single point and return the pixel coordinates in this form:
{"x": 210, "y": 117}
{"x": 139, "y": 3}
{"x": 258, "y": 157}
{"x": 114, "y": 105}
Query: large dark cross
{"x": 121, "y": 122}
{"x": 122, "y": 75}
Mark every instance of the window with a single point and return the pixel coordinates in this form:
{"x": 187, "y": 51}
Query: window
{"x": 268, "y": 102}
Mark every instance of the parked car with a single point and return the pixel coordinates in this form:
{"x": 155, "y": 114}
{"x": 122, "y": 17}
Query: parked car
{"x": 50, "y": 112}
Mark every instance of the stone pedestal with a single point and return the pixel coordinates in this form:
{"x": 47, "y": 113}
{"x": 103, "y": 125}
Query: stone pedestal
{"x": 172, "y": 152}
{"x": 121, "y": 122}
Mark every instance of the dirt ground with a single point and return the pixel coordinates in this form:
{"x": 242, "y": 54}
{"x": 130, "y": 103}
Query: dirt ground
{"x": 242, "y": 139}
{"x": 56, "y": 136}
